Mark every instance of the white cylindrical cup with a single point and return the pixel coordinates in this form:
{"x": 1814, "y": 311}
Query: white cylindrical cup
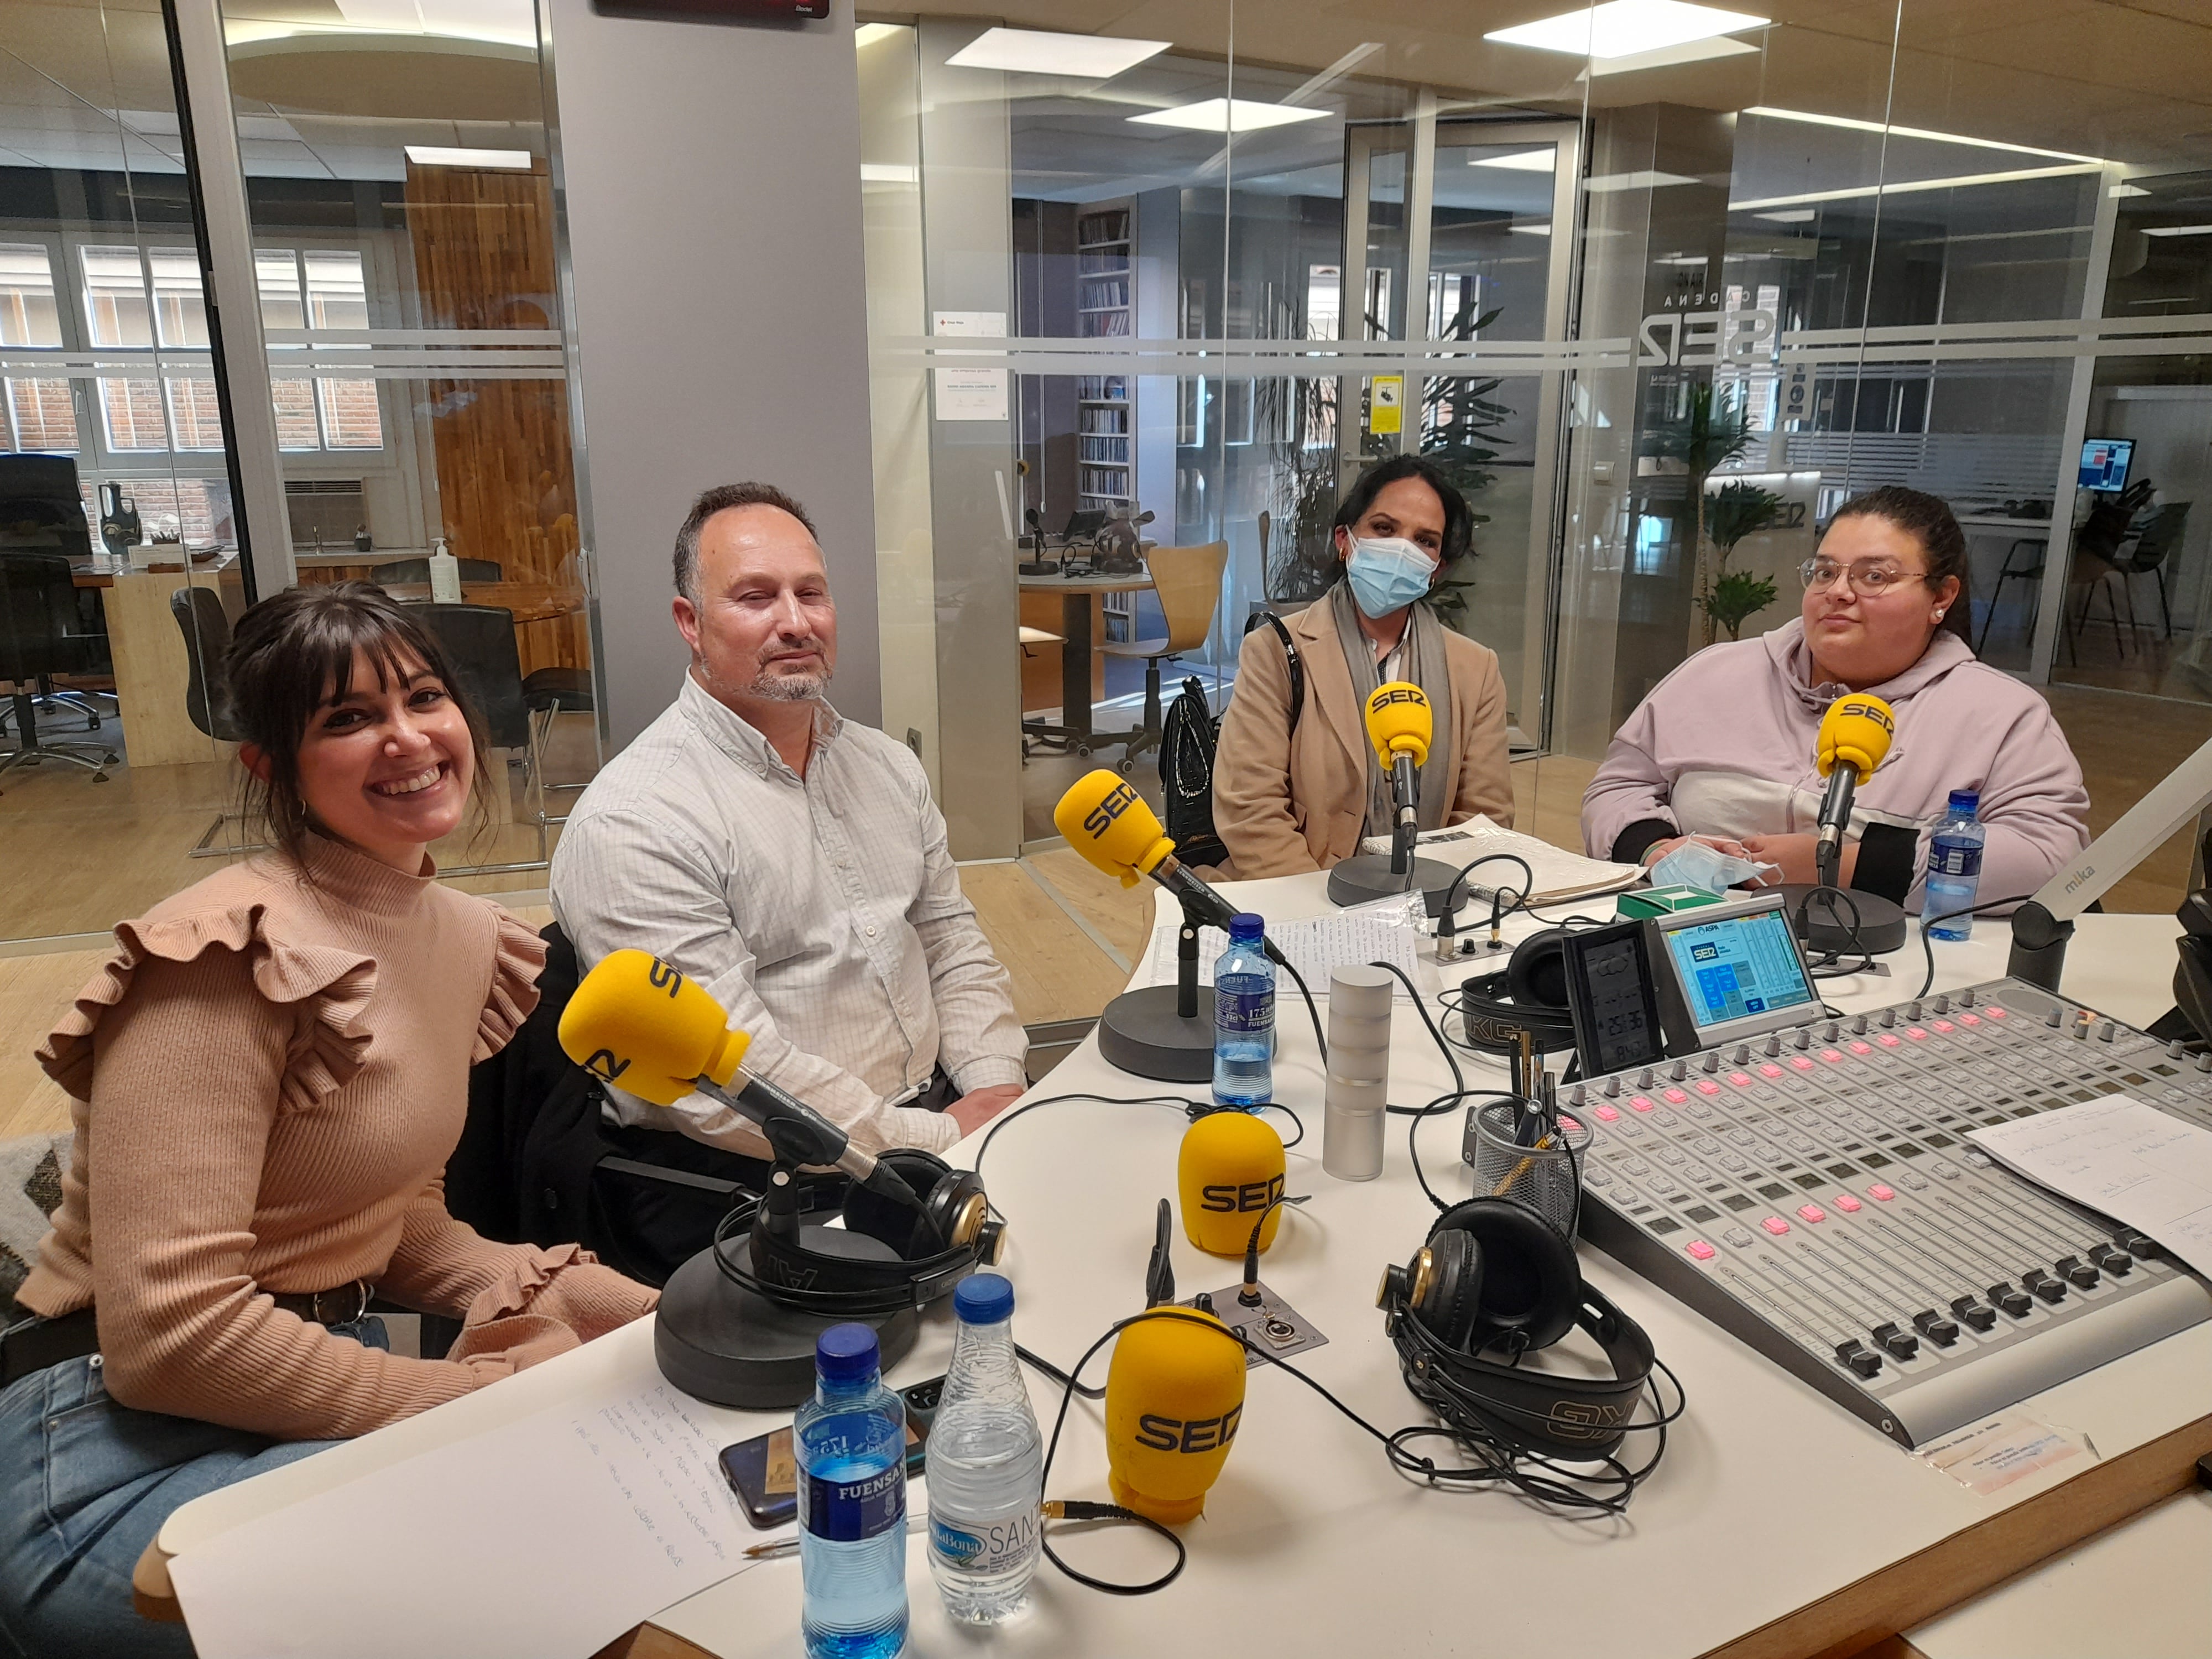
{"x": 1358, "y": 1073}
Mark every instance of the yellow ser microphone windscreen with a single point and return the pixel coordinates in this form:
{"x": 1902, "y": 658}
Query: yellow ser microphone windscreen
{"x": 1229, "y": 1170}
{"x": 1106, "y": 820}
{"x": 1174, "y": 1394}
{"x": 1856, "y": 732}
{"x": 639, "y": 1023}
{"x": 1399, "y": 722}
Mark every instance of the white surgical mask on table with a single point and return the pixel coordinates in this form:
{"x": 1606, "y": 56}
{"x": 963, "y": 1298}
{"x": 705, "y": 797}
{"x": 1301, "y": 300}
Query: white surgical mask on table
{"x": 1387, "y": 574}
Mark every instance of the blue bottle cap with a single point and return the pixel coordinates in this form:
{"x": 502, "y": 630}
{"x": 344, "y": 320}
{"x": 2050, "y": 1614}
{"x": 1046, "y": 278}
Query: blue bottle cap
{"x": 847, "y": 1353}
{"x": 984, "y": 1298}
{"x": 1245, "y": 928}
{"x": 1968, "y": 801}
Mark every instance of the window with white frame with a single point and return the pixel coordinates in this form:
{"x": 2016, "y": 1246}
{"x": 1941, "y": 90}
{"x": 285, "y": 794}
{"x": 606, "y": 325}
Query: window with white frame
{"x": 38, "y": 414}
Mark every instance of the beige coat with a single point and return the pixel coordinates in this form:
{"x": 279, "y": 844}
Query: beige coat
{"x": 1285, "y": 805}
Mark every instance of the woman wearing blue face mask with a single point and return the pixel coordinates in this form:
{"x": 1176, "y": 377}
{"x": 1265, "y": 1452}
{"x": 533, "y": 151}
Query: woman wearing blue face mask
{"x": 1296, "y": 788}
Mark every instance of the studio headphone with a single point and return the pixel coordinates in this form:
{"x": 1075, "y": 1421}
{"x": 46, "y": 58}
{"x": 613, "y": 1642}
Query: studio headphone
{"x": 1529, "y": 994}
{"x": 1496, "y": 1279}
{"x": 818, "y": 1270}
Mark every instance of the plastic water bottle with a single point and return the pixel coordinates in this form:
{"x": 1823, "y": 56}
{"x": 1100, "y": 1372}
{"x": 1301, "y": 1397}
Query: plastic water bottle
{"x": 1954, "y": 866}
{"x": 850, "y": 1440}
{"x": 1244, "y": 1017}
{"x": 985, "y": 1464}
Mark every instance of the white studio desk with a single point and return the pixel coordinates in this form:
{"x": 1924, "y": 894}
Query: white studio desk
{"x": 1778, "y": 1523}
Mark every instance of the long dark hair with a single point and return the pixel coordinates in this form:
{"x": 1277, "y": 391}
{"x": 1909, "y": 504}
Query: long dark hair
{"x": 1459, "y": 518}
{"x": 294, "y": 653}
{"x": 1927, "y": 519}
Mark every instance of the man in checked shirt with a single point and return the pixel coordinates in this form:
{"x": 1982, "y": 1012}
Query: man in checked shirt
{"x": 792, "y": 864}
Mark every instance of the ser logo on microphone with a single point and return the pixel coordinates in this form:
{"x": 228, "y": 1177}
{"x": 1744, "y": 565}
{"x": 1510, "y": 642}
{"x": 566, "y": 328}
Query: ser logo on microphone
{"x": 1248, "y": 1198}
{"x": 1200, "y": 1434}
{"x": 664, "y": 976}
{"x": 604, "y": 1065}
{"x": 1396, "y": 694}
{"x": 1119, "y": 800}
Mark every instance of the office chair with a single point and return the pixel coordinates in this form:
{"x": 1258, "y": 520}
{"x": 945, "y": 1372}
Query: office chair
{"x": 206, "y": 627}
{"x": 549, "y": 693}
{"x": 400, "y": 572}
{"x": 479, "y": 642}
{"x": 41, "y": 635}
{"x": 2153, "y": 545}
{"x": 1189, "y": 583}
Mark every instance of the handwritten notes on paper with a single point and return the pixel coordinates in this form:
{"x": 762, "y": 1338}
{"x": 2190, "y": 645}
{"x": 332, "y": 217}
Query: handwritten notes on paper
{"x": 547, "y": 1536}
{"x": 1315, "y": 945}
{"x": 2133, "y": 1162}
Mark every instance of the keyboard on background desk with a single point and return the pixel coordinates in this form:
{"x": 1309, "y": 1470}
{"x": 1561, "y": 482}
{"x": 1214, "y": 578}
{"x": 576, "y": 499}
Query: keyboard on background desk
{"x": 1813, "y": 1193}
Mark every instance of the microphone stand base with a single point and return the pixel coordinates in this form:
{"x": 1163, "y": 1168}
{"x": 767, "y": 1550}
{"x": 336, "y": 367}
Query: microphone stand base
{"x": 1139, "y": 1032}
{"x": 1824, "y": 923}
{"x": 727, "y": 1346}
{"x": 1367, "y": 878}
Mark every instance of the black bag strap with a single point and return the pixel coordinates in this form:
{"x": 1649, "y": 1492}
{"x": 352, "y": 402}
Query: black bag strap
{"x": 1290, "y": 656}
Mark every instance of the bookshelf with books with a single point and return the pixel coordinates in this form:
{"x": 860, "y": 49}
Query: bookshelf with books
{"x": 1104, "y": 275}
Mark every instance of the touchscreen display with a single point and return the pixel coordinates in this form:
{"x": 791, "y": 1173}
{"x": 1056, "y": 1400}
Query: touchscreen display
{"x": 1619, "y": 1019}
{"x": 1737, "y": 967}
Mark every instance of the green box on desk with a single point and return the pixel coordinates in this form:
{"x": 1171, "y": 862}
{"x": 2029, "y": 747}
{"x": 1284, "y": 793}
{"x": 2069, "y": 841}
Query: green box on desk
{"x": 1647, "y": 902}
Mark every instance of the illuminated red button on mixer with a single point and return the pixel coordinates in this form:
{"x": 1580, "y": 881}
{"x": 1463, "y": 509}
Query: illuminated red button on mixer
{"x": 1848, "y": 1205}
{"x": 1608, "y": 1115}
{"x": 1881, "y": 1193}
{"x": 1643, "y": 1103}
{"x": 1812, "y": 1212}
{"x": 1775, "y": 1224}
{"x": 1699, "y": 1250}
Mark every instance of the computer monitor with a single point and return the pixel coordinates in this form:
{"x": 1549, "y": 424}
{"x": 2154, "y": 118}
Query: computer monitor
{"x": 1737, "y": 969}
{"x": 2105, "y": 462}
{"x": 41, "y": 509}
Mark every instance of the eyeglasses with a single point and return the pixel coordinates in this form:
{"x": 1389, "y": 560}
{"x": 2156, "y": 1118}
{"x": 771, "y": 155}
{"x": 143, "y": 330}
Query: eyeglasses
{"x": 1868, "y": 582}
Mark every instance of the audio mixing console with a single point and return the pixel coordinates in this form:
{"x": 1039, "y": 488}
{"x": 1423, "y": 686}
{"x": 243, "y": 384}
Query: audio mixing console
{"x": 1813, "y": 1193}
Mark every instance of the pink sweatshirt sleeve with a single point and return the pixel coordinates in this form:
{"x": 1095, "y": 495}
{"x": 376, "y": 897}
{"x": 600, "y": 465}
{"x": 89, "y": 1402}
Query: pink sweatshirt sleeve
{"x": 1629, "y": 784}
{"x": 2033, "y": 804}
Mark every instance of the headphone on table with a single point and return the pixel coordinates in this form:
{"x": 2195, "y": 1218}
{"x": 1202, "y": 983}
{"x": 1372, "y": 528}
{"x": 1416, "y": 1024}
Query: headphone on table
{"x": 934, "y": 1246}
{"x": 1496, "y": 1276}
{"x": 1529, "y": 994}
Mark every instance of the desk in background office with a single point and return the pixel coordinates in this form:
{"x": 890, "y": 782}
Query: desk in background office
{"x": 1778, "y": 1525}
{"x": 146, "y": 647}
{"x": 1082, "y": 672}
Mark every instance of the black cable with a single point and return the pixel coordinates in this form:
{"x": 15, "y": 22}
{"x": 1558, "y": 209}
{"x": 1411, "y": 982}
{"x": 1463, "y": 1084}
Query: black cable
{"x": 1312, "y": 1013}
{"x": 1928, "y": 944}
{"x": 1459, "y": 1077}
{"x": 1193, "y": 1109}
{"x": 1830, "y": 961}
{"x": 1451, "y": 893}
{"x": 1039, "y": 1363}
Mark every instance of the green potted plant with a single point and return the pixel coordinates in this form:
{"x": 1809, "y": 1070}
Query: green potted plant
{"x": 1737, "y": 510}
{"x": 1736, "y": 596}
{"x": 1712, "y": 435}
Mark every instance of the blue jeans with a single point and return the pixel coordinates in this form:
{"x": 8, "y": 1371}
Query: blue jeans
{"x": 85, "y": 1484}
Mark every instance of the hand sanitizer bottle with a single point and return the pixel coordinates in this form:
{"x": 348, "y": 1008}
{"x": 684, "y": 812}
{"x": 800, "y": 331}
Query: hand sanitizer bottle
{"x": 445, "y": 575}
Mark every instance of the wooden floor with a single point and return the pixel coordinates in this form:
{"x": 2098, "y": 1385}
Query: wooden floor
{"x": 1068, "y": 934}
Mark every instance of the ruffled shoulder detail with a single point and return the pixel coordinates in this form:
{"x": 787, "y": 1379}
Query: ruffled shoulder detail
{"x": 328, "y": 988}
{"x": 517, "y": 955}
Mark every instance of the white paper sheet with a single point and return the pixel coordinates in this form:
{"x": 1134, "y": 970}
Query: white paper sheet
{"x": 1314, "y": 947}
{"x": 548, "y": 1537}
{"x": 2129, "y": 1160}
{"x": 1559, "y": 875}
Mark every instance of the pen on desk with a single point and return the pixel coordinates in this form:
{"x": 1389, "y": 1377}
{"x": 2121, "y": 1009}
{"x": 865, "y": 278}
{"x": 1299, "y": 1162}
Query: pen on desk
{"x": 776, "y": 1549}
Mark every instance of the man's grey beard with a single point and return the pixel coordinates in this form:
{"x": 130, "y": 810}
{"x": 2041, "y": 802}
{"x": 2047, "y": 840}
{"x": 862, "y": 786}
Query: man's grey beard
{"x": 789, "y": 688}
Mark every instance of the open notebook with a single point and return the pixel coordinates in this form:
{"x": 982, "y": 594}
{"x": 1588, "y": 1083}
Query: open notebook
{"x": 1560, "y": 876}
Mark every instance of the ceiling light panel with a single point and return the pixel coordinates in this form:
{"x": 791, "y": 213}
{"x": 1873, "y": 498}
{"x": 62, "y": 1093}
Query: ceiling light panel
{"x": 1227, "y": 115}
{"x": 2177, "y": 230}
{"x": 1038, "y": 51}
{"x": 434, "y": 155}
{"x": 1526, "y": 160}
{"x": 1627, "y": 29}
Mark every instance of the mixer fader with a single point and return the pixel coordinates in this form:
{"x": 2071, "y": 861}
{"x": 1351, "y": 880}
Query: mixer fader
{"x": 1813, "y": 1193}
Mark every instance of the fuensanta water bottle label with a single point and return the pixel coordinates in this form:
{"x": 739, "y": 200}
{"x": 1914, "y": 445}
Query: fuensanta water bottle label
{"x": 1247, "y": 1013}
{"x": 1000, "y": 1546}
{"x": 846, "y": 1511}
{"x": 1957, "y": 859}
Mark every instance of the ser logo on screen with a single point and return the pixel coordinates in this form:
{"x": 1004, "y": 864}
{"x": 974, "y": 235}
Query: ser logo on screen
{"x": 1119, "y": 800}
{"x": 1705, "y": 953}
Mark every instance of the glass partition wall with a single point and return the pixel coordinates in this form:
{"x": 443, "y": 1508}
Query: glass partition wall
{"x": 1599, "y": 265}
{"x": 391, "y": 378}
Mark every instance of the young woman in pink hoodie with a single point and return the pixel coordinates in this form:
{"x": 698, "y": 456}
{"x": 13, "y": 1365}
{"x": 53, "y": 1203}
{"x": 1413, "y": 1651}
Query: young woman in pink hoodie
{"x": 1723, "y": 749}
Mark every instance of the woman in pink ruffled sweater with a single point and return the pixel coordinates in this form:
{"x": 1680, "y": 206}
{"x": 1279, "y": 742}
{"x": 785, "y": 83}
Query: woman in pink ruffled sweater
{"x": 267, "y": 1080}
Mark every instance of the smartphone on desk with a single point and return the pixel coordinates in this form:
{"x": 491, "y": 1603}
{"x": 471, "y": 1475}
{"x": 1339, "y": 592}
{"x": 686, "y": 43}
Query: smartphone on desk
{"x": 764, "y": 1471}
